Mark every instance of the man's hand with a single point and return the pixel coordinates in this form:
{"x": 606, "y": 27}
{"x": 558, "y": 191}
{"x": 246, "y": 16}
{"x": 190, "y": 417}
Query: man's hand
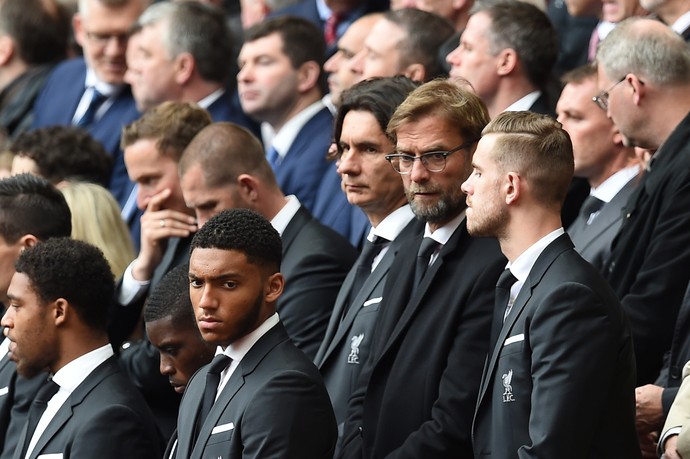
{"x": 649, "y": 416}
{"x": 670, "y": 451}
{"x": 157, "y": 226}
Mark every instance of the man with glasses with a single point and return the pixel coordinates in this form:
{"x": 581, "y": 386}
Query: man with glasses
{"x": 419, "y": 385}
{"x": 90, "y": 92}
{"x": 644, "y": 75}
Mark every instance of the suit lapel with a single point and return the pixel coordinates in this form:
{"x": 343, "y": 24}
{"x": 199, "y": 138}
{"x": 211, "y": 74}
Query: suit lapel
{"x": 547, "y": 257}
{"x": 334, "y": 321}
{"x": 409, "y": 309}
{"x": 297, "y": 222}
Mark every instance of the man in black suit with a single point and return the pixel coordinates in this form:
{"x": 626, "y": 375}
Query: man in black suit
{"x": 647, "y": 95}
{"x": 31, "y": 210}
{"x": 507, "y": 52}
{"x": 261, "y": 397}
{"x": 371, "y": 184}
{"x": 153, "y": 145}
{"x": 224, "y": 167}
{"x": 611, "y": 168}
{"x": 57, "y": 320}
{"x": 417, "y": 390}
{"x": 562, "y": 325}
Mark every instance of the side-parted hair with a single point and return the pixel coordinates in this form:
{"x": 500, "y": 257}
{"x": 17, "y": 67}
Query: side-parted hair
{"x": 525, "y": 28}
{"x": 224, "y": 151}
{"x": 31, "y": 205}
{"x": 302, "y": 40}
{"x": 424, "y": 34}
{"x": 580, "y": 74}
{"x": 245, "y": 231}
{"x": 536, "y": 147}
{"x": 458, "y": 106}
{"x": 194, "y": 28}
{"x": 658, "y": 55}
{"x": 171, "y": 299}
{"x": 172, "y": 124}
{"x": 378, "y": 96}
{"x": 73, "y": 270}
{"x": 84, "y": 4}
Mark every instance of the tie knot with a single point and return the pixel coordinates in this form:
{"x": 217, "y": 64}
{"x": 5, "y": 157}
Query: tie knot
{"x": 219, "y": 363}
{"x": 427, "y": 248}
{"x": 47, "y": 391}
{"x": 506, "y": 280}
{"x": 592, "y": 204}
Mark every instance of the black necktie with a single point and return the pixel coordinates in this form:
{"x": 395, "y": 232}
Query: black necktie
{"x": 591, "y": 205}
{"x": 423, "y": 255}
{"x": 38, "y": 407}
{"x": 505, "y": 281}
{"x": 364, "y": 262}
{"x": 219, "y": 363}
{"x": 89, "y": 115}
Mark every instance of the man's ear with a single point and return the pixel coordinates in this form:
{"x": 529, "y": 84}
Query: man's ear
{"x": 248, "y": 187}
{"x": 78, "y": 26}
{"x": 61, "y": 310}
{"x": 274, "y": 287}
{"x": 308, "y": 76}
{"x": 27, "y": 241}
{"x": 6, "y": 49}
{"x": 507, "y": 61}
{"x": 513, "y": 187}
{"x": 415, "y": 72}
{"x": 184, "y": 68}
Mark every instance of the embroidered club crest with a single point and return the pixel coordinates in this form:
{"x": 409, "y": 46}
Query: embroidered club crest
{"x": 355, "y": 341}
{"x": 507, "y": 387}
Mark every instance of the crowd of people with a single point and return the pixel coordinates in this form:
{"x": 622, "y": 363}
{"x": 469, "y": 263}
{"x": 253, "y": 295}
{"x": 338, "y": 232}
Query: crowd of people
{"x": 345, "y": 229}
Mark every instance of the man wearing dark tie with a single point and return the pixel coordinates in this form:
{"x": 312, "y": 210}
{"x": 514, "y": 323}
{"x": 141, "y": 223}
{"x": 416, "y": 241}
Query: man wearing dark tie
{"x": 370, "y": 183}
{"x": 31, "y": 210}
{"x": 260, "y": 397}
{"x": 562, "y": 325}
{"x": 56, "y": 320}
{"x": 417, "y": 390}
{"x": 610, "y": 167}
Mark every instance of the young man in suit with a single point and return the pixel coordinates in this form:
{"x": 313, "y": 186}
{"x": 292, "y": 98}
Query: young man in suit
{"x": 90, "y": 92}
{"x": 31, "y": 210}
{"x": 171, "y": 328}
{"x": 561, "y": 326}
{"x": 224, "y": 167}
{"x": 57, "y": 320}
{"x": 180, "y": 53}
{"x": 611, "y": 168}
{"x": 418, "y": 388}
{"x": 153, "y": 145}
{"x": 261, "y": 397}
{"x": 644, "y": 79}
{"x": 371, "y": 184}
{"x": 286, "y": 97}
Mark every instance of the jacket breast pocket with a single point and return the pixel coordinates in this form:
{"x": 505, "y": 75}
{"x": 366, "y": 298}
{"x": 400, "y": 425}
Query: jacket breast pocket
{"x": 513, "y": 344}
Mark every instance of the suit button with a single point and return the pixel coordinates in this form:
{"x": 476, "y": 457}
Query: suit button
{"x": 360, "y": 431}
{"x": 675, "y": 373}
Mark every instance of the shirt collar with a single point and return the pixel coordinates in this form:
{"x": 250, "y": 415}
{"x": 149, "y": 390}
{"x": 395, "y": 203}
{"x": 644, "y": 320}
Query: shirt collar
{"x": 107, "y": 89}
{"x": 524, "y": 103}
{"x": 239, "y": 348}
{"x": 75, "y": 372}
{"x": 285, "y": 215}
{"x": 390, "y": 227}
{"x": 442, "y": 235}
{"x": 612, "y": 185}
{"x": 211, "y": 98}
{"x": 283, "y": 139}
{"x": 682, "y": 23}
{"x": 523, "y": 264}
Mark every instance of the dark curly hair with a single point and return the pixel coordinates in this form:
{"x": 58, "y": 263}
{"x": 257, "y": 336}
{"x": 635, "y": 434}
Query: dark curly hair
{"x": 245, "y": 231}
{"x": 73, "y": 270}
{"x": 64, "y": 153}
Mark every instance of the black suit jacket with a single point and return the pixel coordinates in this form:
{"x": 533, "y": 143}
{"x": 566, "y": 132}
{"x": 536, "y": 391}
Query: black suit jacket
{"x": 16, "y": 395}
{"x": 593, "y": 241}
{"x": 648, "y": 267}
{"x": 560, "y": 380}
{"x": 273, "y": 406}
{"x": 350, "y": 330}
{"x": 105, "y": 417}
{"x": 419, "y": 386}
{"x": 315, "y": 261}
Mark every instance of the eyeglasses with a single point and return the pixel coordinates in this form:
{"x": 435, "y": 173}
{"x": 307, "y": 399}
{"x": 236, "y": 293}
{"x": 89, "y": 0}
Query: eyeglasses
{"x": 602, "y": 99}
{"x": 434, "y": 161}
{"x": 102, "y": 39}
